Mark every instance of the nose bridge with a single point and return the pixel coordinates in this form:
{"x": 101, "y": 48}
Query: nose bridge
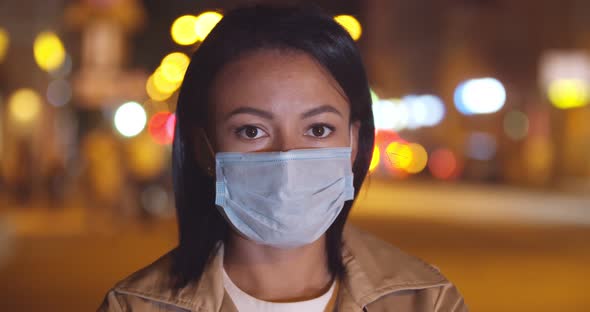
{"x": 285, "y": 138}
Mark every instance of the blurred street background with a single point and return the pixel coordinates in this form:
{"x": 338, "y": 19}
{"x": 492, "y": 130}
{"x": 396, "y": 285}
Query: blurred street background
{"x": 482, "y": 163}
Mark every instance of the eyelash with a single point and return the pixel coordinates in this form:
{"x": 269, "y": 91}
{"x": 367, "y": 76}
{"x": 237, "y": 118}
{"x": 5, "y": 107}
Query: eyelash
{"x": 241, "y": 129}
{"x": 238, "y": 131}
{"x": 330, "y": 127}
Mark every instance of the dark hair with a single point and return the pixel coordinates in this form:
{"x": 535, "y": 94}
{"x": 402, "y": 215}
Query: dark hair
{"x": 244, "y": 30}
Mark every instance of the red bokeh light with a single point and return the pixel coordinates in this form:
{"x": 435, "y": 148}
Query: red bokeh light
{"x": 161, "y": 127}
{"x": 443, "y": 164}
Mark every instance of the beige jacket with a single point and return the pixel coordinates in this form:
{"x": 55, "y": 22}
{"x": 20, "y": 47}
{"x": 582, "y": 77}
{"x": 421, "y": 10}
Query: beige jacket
{"x": 379, "y": 277}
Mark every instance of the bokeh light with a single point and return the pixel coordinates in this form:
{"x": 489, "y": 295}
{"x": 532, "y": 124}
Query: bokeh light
{"x": 4, "y": 43}
{"x": 351, "y": 25}
{"x": 538, "y": 153}
{"x": 375, "y": 159}
{"x": 419, "y": 158}
{"x": 390, "y": 114}
{"x": 569, "y": 93}
{"x": 49, "y": 51}
{"x": 481, "y": 146}
{"x": 174, "y": 66}
{"x": 59, "y": 92}
{"x": 64, "y": 70}
{"x": 184, "y": 31}
{"x": 159, "y": 127}
{"x": 156, "y": 200}
{"x": 171, "y": 125}
{"x": 480, "y": 96}
{"x": 146, "y": 159}
{"x": 443, "y": 164}
{"x": 374, "y": 96}
{"x": 162, "y": 84}
{"x": 399, "y": 154}
{"x": 24, "y": 105}
{"x": 153, "y": 92}
{"x": 130, "y": 119}
{"x": 205, "y": 22}
{"x": 516, "y": 125}
{"x": 424, "y": 110}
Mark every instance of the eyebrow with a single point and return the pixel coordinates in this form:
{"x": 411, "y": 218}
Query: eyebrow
{"x": 251, "y": 111}
{"x": 320, "y": 110}
{"x": 267, "y": 115}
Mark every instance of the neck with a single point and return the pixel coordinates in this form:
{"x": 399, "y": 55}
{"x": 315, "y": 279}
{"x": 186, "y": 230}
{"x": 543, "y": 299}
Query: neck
{"x": 280, "y": 275}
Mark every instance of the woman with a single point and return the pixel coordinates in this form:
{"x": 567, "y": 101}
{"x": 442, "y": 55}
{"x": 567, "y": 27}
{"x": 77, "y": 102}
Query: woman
{"x": 274, "y": 137}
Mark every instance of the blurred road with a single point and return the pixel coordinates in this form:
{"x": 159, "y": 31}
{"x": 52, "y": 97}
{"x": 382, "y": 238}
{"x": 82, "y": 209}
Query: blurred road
{"x": 499, "y": 246}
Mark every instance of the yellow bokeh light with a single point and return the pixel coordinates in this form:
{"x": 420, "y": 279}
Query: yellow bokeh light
{"x": 569, "y": 93}
{"x": 146, "y": 158}
{"x": 24, "y": 105}
{"x": 49, "y": 51}
{"x": 153, "y": 92}
{"x": 163, "y": 84}
{"x": 4, "y": 42}
{"x": 375, "y": 159}
{"x": 351, "y": 25}
{"x": 419, "y": 158}
{"x": 206, "y": 21}
{"x": 184, "y": 31}
{"x": 400, "y": 155}
{"x": 174, "y": 66}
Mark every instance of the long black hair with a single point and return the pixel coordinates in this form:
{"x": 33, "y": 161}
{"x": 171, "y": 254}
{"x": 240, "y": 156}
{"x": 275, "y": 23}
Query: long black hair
{"x": 244, "y": 30}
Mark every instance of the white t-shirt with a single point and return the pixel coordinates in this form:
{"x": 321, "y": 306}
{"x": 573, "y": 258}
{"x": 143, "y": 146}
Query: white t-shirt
{"x": 247, "y": 303}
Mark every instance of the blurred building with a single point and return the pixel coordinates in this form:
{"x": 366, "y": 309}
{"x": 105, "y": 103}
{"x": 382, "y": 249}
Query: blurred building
{"x": 491, "y": 91}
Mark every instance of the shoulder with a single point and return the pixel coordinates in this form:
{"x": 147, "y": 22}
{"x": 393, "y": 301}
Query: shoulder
{"x": 144, "y": 289}
{"x": 387, "y": 273}
{"x": 385, "y": 261}
{"x": 154, "y": 278}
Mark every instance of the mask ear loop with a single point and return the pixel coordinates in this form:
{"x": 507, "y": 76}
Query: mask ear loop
{"x": 209, "y": 162}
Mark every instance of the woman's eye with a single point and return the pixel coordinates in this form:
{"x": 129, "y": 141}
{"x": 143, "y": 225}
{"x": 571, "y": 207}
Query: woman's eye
{"x": 319, "y": 131}
{"x": 250, "y": 132}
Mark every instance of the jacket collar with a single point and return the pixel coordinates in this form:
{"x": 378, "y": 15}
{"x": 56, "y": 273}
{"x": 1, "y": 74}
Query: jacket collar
{"x": 373, "y": 269}
{"x": 155, "y": 283}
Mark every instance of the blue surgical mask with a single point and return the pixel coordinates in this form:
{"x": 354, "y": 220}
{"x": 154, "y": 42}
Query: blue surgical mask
{"x": 284, "y": 199}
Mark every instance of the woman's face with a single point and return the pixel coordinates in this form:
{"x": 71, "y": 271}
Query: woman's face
{"x": 273, "y": 100}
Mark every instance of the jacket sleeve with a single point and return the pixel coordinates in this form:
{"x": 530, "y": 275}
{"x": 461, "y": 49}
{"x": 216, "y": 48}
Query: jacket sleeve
{"x": 450, "y": 300}
{"x": 111, "y": 303}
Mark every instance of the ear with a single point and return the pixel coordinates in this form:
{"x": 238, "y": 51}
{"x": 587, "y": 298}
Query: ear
{"x": 354, "y": 132}
{"x": 204, "y": 152}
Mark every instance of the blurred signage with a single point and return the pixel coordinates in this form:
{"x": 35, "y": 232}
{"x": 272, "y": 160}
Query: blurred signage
{"x": 558, "y": 65}
{"x": 565, "y": 77}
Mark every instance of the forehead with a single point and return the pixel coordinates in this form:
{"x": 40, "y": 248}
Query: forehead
{"x": 281, "y": 82}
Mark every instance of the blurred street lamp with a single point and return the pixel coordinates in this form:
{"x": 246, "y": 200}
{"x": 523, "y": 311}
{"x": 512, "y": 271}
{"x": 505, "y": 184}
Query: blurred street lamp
{"x": 59, "y": 92}
{"x": 351, "y": 25}
{"x": 130, "y": 119}
{"x": 516, "y": 125}
{"x": 174, "y": 66}
{"x": 49, "y": 51}
{"x": 480, "y": 96}
{"x": 569, "y": 93}
{"x": 375, "y": 159}
{"x": 4, "y": 43}
{"x": 206, "y": 21}
{"x": 183, "y": 30}
{"x": 24, "y": 106}
{"x": 565, "y": 75}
